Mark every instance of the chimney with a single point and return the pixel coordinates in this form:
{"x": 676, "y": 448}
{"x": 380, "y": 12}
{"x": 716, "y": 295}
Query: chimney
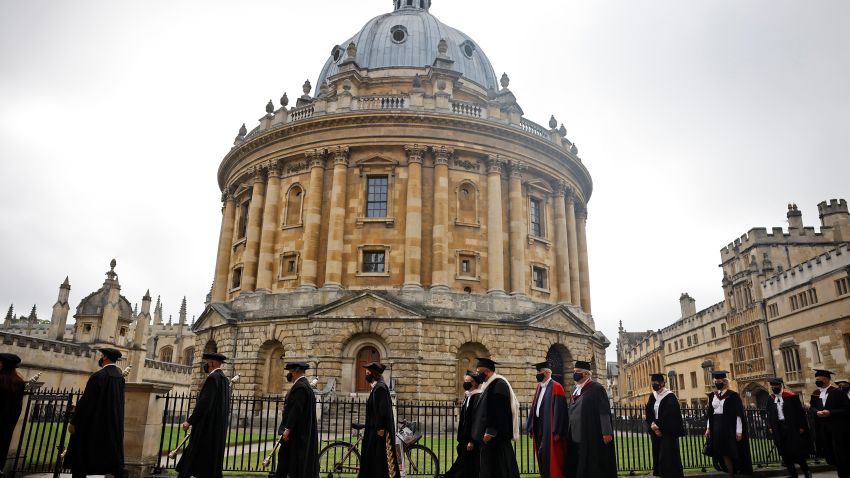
{"x": 795, "y": 217}
{"x": 688, "y": 305}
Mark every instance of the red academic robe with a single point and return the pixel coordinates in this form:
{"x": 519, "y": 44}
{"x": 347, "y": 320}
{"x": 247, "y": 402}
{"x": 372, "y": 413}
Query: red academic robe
{"x": 550, "y": 452}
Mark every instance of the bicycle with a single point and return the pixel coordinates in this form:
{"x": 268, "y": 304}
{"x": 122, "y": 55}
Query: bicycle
{"x": 340, "y": 458}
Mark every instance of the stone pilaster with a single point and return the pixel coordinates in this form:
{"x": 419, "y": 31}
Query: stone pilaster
{"x": 440, "y": 243}
{"x": 562, "y": 253}
{"x": 265, "y": 267}
{"x": 495, "y": 239}
{"x": 583, "y": 265}
{"x": 413, "y": 220}
{"x": 313, "y": 219}
{"x": 252, "y": 236}
{"x": 336, "y": 222}
{"x": 225, "y": 247}
{"x": 572, "y": 243}
{"x": 518, "y": 230}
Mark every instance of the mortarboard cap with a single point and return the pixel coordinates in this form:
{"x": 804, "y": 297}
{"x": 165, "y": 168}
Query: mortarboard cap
{"x": 823, "y": 373}
{"x": 10, "y": 360}
{"x": 111, "y": 354}
{"x": 485, "y": 362}
{"x": 841, "y": 382}
{"x": 540, "y": 366}
{"x": 297, "y": 366}
{"x": 375, "y": 367}
{"x": 475, "y": 376}
{"x": 658, "y": 377}
{"x": 719, "y": 374}
{"x": 774, "y": 381}
{"x": 582, "y": 365}
{"x": 214, "y": 356}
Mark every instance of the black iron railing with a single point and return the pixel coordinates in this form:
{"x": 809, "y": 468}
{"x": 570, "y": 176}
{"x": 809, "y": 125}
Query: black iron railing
{"x": 44, "y": 432}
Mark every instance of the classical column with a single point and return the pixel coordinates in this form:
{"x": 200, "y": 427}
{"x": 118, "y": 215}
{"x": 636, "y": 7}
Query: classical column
{"x": 225, "y": 247}
{"x": 583, "y": 267}
{"x": 413, "y": 220}
{"x": 270, "y": 228}
{"x": 495, "y": 241}
{"x": 252, "y": 236}
{"x": 440, "y": 243}
{"x": 572, "y": 243}
{"x": 562, "y": 253}
{"x": 518, "y": 230}
{"x": 313, "y": 219}
{"x": 336, "y": 222}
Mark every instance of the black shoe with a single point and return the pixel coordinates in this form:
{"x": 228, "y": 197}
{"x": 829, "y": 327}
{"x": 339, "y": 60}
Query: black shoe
{"x": 807, "y": 474}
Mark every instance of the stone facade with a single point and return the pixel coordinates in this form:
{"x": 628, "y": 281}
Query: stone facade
{"x": 786, "y": 312}
{"x": 406, "y": 213}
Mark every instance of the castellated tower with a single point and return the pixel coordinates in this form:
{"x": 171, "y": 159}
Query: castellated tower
{"x": 60, "y": 312}
{"x": 834, "y": 215}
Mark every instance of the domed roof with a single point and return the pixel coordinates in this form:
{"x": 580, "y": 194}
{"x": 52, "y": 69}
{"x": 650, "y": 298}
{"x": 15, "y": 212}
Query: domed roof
{"x": 408, "y": 37}
{"x": 94, "y": 303}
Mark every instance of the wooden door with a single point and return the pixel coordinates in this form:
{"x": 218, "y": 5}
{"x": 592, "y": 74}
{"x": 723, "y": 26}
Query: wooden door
{"x": 364, "y": 356}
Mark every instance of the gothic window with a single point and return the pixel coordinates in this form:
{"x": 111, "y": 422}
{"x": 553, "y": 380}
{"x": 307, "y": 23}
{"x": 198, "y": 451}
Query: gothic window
{"x": 166, "y": 354}
{"x": 364, "y": 356}
{"x": 188, "y": 356}
{"x": 467, "y": 204}
{"x": 376, "y": 196}
{"x": 294, "y": 206}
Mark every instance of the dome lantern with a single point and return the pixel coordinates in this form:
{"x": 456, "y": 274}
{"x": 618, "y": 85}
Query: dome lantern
{"x": 412, "y": 4}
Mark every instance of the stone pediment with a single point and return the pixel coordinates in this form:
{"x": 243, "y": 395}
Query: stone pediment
{"x": 365, "y": 306}
{"x": 213, "y": 316}
{"x": 561, "y": 319}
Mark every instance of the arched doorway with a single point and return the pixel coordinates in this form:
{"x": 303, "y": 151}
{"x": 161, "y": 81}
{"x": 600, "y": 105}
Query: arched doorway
{"x": 755, "y": 395}
{"x": 467, "y": 356}
{"x": 210, "y": 347}
{"x": 560, "y": 359}
{"x": 365, "y": 355}
{"x": 272, "y": 362}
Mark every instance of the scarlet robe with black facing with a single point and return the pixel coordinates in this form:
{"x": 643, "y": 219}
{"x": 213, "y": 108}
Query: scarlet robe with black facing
{"x": 494, "y": 417}
{"x": 97, "y": 445}
{"x": 378, "y": 455}
{"x": 204, "y": 456}
{"x": 466, "y": 464}
{"x": 723, "y": 439}
{"x": 299, "y": 456}
{"x": 590, "y": 418}
{"x": 550, "y": 452}
{"x": 11, "y": 403}
{"x": 832, "y": 435}
{"x": 793, "y": 441}
{"x": 667, "y": 462}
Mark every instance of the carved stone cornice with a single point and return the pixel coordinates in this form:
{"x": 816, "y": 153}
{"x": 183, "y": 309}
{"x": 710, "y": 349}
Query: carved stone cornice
{"x": 517, "y": 168}
{"x": 340, "y": 155}
{"x": 495, "y": 164}
{"x": 414, "y": 153}
{"x": 315, "y": 158}
{"x": 442, "y": 154}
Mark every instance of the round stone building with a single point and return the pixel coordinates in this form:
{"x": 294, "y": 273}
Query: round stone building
{"x": 403, "y": 211}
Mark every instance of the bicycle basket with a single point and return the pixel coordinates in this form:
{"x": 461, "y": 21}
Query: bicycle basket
{"x": 408, "y": 436}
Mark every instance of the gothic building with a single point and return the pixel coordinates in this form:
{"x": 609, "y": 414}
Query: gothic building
{"x": 404, "y": 211}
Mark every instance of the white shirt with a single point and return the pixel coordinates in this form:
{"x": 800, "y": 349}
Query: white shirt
{"x": 659, "y": 395}
{"x": 717, "y": 404}
{"x": 543, "y": 386}
{"x": 823, "y": 395}
{"x": 577, "y": 390}
{"x": 780, "y": 406}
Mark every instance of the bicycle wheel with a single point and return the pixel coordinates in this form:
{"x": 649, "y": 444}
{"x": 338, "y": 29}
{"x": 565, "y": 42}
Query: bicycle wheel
{"x": 338, "y": 459}
{"x": 421, "y": 461}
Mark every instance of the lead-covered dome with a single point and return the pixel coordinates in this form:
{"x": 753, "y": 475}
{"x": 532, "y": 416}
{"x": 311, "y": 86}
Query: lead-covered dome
{"x": 408, "y": 37}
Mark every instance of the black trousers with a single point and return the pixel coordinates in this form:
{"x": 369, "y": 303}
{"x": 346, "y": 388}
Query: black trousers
{"x": 790, "y": 457}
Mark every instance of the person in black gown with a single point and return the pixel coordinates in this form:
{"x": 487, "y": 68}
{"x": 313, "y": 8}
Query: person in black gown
{"x": 378, "y": 452}
{"x": 831, "y": 409}
{"x": 665, "y": 425}
{"x": 591, "y": 451}
{"x": 96, "y": 446}
{"x": 466, "y": 464}
{"x": 299, "y": 448}
{"x": 204, "y": 456}
{"x": 496, "y": 423}
{"x": 727, "y": 429}
{"x": 786, "y": 421}
{"x": 11, "y": 402}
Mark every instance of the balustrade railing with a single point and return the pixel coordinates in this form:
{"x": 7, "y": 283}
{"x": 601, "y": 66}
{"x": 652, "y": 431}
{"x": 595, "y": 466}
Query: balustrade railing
{"x": 533, "y": 128}
{"x": 383, "y": 102}
{"x": 466, "y": 109}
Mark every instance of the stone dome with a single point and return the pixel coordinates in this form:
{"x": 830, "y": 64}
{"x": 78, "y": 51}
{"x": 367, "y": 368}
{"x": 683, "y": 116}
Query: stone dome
{"x": 94, "y": 303}
{"x": 409, "y": 37}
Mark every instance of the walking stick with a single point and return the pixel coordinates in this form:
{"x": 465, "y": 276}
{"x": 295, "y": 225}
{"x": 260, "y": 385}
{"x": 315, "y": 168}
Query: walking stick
{"x": 268, "y": 459}
{"x": 173, "y": 453}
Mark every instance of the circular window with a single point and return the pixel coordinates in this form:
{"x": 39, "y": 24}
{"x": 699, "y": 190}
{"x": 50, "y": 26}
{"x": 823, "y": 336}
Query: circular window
{"x": 398, "y": 33}
{"x": 336, "y": 53}
{"x": 468, "y": 48}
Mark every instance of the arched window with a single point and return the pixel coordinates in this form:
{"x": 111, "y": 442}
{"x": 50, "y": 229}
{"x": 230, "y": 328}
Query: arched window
{"x": 166, "y": 354}
{"x": 467, "y": 204}
{"x": 560, "y": 359}
{"x": 467, "y": 356}
{"x": 210, "y": 346}
{"x": 365, "y": 355}
{"x": 272, "y": 362}
{"x": 294, "y": 206}
{"x": 188, "y": 356}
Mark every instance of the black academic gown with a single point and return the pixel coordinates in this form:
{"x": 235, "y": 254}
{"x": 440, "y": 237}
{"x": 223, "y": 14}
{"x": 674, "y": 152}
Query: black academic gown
{"x": 378, "y": 454}
{"x": 299, "y": 456}
{"x": 666, "y": 460}
{"x": 723, "y": 442}
{"x": 97, "y": 445}
{"x": 11, "y": 403}
{"x": 791, "y": 436}
{"x": 467, "y": 462}
{"x": 494, "y": 417}
{"x": 590, "y": 456}
{"x": 832, "y": 435}
{"x": 204, "y": 455}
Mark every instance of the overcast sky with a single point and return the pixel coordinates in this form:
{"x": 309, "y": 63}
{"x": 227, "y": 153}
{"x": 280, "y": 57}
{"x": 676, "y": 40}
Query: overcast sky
{"x": 697, "y": 120}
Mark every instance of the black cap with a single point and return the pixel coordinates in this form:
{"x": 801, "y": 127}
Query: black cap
{"x": 214, "y": 356}
{"x": 823, "y": 373}
{"x": 841, "y": 382}
{"x": 297, "y": 366}
{"x": 658, "y": 377}
{"x": 375, "y": 367}
{"x": 475, "y": 376}
{"x": 111, "y": 354}
{"x": 487, "y": 363}
{"x": 10, "y": 360}
{"x": 774, "y": 381}
{"x": 540, "y": 366}
{"x": 582, "y": 365}
{"x": 719, "y": 374}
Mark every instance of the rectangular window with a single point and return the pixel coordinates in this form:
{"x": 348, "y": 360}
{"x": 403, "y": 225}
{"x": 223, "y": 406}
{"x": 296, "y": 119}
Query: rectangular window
{"x": 773, "y": 310}
{"x": 669, "y": 348}
{"x": 237, "y": 278}
{"x": 842, "y": 286}
{"x": 791, "y": 360}
{"x": 538, "y": 278}
{"x": 813, "y": 296}
{"x": 722, "y": 329}
{"x": 243, "y": 220}
{"x": 804, "y": 299}
{"x": 465, "y": 266}
{"x": 86, "y": 328}
{"x": 376, "y": 196}
{"x": 689, "y": 341}
{"x": 693, "y": 380}
{"x": 536, "y": 217}
{"x": 290, "y": 266}
{"x": 816, "y": 358}
{"x": 682, "y": 380}
{"x": 696, "y": 339}
{"x": 713, "y": 333}
{"x": 373, "y": 261}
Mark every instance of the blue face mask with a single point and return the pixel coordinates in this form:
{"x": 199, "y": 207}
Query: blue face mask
{"x": 719, "y": 385}
{"x": 578, "y": 376}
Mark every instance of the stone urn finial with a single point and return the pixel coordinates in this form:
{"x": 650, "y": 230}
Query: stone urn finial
{"x": 563, "y": 131}
{"x": 307, "y": 87}
{"x": 443, "y": 46}
{"x": 505, "y": 81}
{"x": 270, "y": 107}
{"x": 284, "y": 100}
{"x": 351, "y": 51}
{"x": 417, "y": 81}
{"x": 243, "y": 130}
{"x": 574, "y": 149}
{"x": 553, "y": 123}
